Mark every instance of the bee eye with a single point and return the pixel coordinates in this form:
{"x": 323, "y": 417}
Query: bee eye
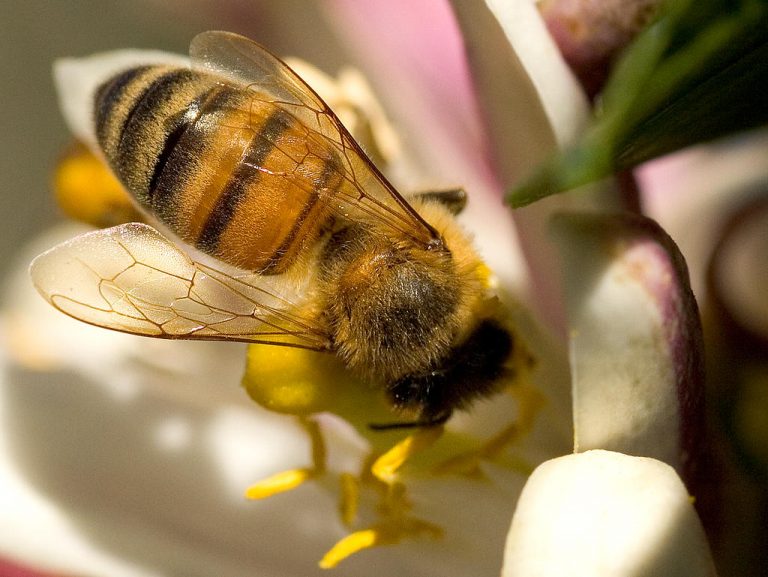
{"x": 411, "y": 391}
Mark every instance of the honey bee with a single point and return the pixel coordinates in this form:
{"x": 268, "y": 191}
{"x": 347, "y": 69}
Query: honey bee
{"x": 239, "y": 158}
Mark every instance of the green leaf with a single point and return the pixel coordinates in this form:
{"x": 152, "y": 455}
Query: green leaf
{"x": 699, "y": 72}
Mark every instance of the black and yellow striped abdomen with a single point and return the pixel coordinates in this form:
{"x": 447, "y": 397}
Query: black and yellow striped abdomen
{"x": 225, "y": 168}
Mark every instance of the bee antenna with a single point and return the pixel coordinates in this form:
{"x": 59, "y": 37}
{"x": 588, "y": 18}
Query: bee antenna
{"x": 435, "y": 421}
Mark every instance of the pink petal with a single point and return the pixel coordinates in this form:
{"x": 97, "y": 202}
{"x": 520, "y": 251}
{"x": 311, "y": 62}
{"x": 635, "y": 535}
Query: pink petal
{"x": 414, "y": 54}
{"x": 591, "y": 33}
{"x": 531, "y": 104}
{"x": 10, "y": 569}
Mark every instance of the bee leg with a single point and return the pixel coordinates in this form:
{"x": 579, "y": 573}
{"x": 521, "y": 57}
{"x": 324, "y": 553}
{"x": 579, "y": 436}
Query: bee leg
{"x": 454, "y": 199}
{"x": 292, "y": 478}
{"x": 349, "y": 498}
{"x": 530, "y": 402}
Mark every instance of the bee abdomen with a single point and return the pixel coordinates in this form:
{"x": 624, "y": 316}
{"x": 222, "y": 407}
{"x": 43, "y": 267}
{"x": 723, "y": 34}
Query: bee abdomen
{"x": 137, "y": 112}
{"x": 225, "y": 167}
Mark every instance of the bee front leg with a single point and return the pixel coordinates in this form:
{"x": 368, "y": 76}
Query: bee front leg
{"x": 530, "y": 402}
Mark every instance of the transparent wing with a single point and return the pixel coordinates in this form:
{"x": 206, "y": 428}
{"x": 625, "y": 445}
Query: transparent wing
{"x": 132, "y": 279}
{"x": 365, "y": 191}
{"x": 247, "y": 62}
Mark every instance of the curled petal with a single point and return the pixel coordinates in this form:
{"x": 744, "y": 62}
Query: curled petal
{"x": 601, "y": 513}
{"x": 636, "y": 352}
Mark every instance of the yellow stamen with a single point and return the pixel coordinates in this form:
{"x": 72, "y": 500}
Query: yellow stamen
{"x": 279, "y": 483}
{"x": 350, "y": 498}
{"x": 386, "y": 466}
{"x": 349, "y": 545}
{"x": 485, "y": 275}
{"x": 86, "y": 190}
{"x": 319, "y": 452}
{"x": 288, "y": 480}
{"x": 387, "y": 533}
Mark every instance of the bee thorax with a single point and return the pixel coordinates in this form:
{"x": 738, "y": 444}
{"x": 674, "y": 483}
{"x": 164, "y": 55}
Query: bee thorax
{"x": 393, "y": 312}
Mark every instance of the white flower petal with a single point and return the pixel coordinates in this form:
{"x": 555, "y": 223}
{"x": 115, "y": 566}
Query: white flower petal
{"x": 77, "y": 80}
{"x": 606, "y": 514}
{"x": 36, "y": 531}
